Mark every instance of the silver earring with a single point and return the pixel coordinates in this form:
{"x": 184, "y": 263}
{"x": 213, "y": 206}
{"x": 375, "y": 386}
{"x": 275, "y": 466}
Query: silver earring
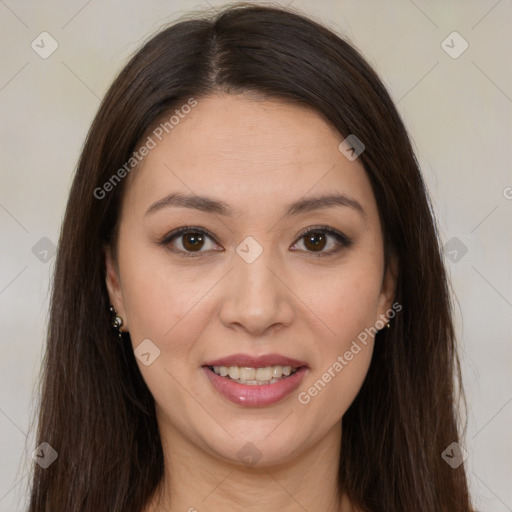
{"x": 116, "y": 321}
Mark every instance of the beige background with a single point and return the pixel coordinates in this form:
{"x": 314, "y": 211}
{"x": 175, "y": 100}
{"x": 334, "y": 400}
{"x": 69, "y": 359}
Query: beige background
{"x": 458, "y": 111}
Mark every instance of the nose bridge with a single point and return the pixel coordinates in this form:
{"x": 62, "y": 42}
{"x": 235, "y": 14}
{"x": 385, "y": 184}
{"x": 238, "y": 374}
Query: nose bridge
{"x": 258, "y": 299}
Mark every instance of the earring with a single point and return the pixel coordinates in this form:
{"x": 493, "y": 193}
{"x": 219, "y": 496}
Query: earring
{"x": 388, "y": 325}
{"x": 116, "y": 321}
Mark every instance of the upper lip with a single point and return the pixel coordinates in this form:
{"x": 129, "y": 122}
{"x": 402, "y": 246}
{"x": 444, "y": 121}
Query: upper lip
{"x": 246, "y": 360}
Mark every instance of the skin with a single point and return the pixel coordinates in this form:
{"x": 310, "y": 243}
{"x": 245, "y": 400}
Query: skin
{"x": 258, "y": 156}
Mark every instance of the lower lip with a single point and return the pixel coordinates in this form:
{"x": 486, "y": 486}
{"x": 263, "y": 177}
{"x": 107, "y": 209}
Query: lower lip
{"x": 255, "y": 395}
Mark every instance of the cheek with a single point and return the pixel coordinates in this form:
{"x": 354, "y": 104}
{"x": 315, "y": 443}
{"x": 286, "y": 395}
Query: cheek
{"x": 346, "y": 301}
{"x": 330, "y": 391}
{"x": 167, "y": 307}
{"x": 159, "y": 298}
{"x": 347, "y": 304}
{"x": 164, "y": 307}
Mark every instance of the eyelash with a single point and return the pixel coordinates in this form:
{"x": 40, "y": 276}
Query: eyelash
{"x": 342, "y": 239}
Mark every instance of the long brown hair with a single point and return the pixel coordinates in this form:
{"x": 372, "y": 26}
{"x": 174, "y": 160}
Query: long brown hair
{"x": 95, "y": 409}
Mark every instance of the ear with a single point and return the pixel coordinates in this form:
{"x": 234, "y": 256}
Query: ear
{"x": 114, "y": 284}
{"x": 388, "y": 289}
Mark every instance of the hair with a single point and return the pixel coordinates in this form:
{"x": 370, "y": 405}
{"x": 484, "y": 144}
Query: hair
{"x": 95, "y": 408}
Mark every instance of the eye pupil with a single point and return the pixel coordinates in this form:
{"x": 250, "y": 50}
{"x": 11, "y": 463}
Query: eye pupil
{"x": 196, "y": 240}
{"x": 313, "y": 238}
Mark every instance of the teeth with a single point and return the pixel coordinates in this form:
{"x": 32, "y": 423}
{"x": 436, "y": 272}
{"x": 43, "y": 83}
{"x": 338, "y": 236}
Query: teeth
{"x": 263, "y": 373}
{"x": 247, "y": 373}
{"x": 234, "y": 372}
{"x": 255, "y": 376}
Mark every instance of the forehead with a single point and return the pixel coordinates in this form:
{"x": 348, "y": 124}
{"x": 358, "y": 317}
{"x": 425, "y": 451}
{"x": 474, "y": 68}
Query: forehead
{"x": 256, "y": 152}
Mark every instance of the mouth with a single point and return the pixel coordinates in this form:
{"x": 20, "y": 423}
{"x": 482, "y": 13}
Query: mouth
{"x": 255, "y": 381}
{"x": 250, "y": 376}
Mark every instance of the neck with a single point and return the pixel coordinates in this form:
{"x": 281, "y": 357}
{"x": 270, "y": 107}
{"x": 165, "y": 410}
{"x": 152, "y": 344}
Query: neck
{"x": 195, "y": 480}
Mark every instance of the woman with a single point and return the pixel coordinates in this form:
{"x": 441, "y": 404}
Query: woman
{"x": 250, "y": 309}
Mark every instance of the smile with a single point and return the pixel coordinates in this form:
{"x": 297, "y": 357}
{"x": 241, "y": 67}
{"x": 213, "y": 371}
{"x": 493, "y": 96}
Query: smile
{"x": 254, "y": 376}
{"x": 253, "y": 392}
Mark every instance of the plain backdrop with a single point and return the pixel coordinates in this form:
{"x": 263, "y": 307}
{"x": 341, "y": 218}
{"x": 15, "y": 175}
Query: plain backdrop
{"x": 455, "y": 101}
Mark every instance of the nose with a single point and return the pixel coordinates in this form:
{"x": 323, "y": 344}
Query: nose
{"x": 257, "y": 298}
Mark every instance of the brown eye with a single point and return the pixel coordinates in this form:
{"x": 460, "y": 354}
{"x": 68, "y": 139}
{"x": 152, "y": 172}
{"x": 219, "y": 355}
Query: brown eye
{"x": 189, "y": 241}
{"x": 192, "y": 241}
{"x": 317, "y": 239}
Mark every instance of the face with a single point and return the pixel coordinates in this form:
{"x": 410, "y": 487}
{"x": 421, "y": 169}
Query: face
{"x": 263, "y": 278}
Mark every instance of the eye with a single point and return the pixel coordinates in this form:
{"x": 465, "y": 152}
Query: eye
{"x": 188, "y": 240}
{"x": 317, "y": 238}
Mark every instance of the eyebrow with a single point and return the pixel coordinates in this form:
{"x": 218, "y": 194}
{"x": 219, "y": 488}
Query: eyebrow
{"x": 210, "y": 205}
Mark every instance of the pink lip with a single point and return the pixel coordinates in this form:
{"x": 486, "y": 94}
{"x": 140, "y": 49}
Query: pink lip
{"x": 256, "y": 361}
{"x": 255, "y": 396}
